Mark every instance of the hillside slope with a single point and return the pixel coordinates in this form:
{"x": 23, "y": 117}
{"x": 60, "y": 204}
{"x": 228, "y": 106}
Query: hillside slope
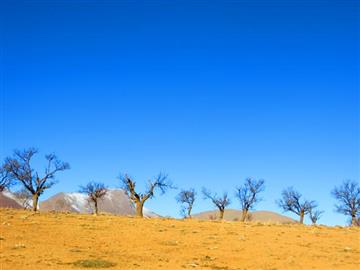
{"x": 233, "y": 215}
{"x": 60, "y": 241}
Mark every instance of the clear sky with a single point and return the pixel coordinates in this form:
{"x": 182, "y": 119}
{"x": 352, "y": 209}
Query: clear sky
{"x": 210, "y": 92}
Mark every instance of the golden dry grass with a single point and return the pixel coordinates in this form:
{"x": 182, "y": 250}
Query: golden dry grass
{"x": 73, "y": 241}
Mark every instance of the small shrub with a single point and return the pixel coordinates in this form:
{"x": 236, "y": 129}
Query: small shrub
{"x": 94, "y": 263}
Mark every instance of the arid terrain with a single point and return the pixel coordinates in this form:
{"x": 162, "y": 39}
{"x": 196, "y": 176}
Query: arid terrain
{"x": 80, "y": 241}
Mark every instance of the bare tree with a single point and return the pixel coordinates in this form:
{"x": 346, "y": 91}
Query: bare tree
{"x": 291, "y": 201}
{"x": 248, "y": 195}
{"x": 19, "y": 167}
{"x": 348, "y": 197}
{"x": 221, "y": 202}
{"x": 315, "y": 215}
{"x": 187, "y": 199}
{"x": 160, "y": 182}
{"x": 24, "y": 197}
{"x": 95, "y": 191}
{"x": 357, "y": 222}
{"x": 6, "y": 180}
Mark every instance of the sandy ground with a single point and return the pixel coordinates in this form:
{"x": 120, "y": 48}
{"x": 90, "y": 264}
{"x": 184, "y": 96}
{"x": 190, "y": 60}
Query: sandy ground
{"x": 60, "y": 241}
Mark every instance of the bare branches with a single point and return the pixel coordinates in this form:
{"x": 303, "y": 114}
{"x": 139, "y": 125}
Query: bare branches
{"x": 221, "y": 202}
{"x": 248, "y": 195}
{"x": 6, "y": 179}
{"x": 315, "y": 215}
{"x": 187, "y": 198}
{"x": 19, "y": 168}
{"x": 291, "y": 201}
{"x": 160, "y": 182}
{"x": 24, "y": 197}
{"x": 95, "y": 191}
{"x": 348, "y": 197}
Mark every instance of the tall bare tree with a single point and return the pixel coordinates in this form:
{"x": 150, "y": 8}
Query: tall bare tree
{"x": 19, "y": 167}
{"x": 6, "y": 179}
{"x": 95, "y": 191}
{"x": 248, "y": 195}
{"x": 221, "y": 202}
{"x": 315, "y": 215}
{"x": 160, "y": 182}
{"x": 348, "y": 197}
{"x": 187, "y": 199}
{"x": 291, "y": 201}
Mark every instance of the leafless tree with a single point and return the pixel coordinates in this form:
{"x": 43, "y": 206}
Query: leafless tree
{"x": 348, "y": 197}
{"x": 248, "y": 195}
{"x": 187, "y": 199}
{"x": 221, "y": 202}
{"x": 357, "y": 222}
{"x": 24, "y": 197}
{"x": 19, "y": 167}
{"x": 95, "y": 191}
{"x": 315, "y": 215}
{"x": 6, "y": 180}
{"x": 160, "y": 182}
{"x": 291, "y": 201}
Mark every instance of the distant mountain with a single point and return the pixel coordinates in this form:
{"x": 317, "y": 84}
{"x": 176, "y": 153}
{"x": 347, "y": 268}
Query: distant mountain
{"x": 7, "y": 201}
{"x": 234, "y": 215}
{"x": 115, "y": 202}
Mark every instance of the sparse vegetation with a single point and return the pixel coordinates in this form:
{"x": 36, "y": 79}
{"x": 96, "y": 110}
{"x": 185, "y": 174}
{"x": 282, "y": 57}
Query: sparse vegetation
{"x": 95, "y": 191}
{"x": 315, "y": 215}
{"x": 348, "y": 197}
{"x": 221, "y": 202}
{"x": 20, "y": 169}
{"x": 187, "y": 199}
{"x": 24, "y": 197}
{"x": 93, "y": 263}
{"x": 248, "y": 195}
{"x": 6, "y": 179}
{"x": 291, "y": 201}
{"x": 161, "y": 183}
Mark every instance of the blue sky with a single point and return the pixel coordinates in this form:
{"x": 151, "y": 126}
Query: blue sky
{"x": 210, "y": 92}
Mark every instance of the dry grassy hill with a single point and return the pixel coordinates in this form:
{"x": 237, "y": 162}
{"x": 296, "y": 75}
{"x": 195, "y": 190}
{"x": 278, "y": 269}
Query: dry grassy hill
{"x": 257, "y": 216}
{"x": 78, "y": 241}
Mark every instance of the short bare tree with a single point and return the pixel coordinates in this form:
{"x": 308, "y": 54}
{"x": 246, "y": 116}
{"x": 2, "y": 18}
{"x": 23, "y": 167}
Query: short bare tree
{"x": 221, "y": 202}
{"x": 6, "y": 179}
{"x": 348, "y": 197}
{"x": 291, "y": 201}
{"x": 248, "y": 195}
{"x": 160, "y": 182}
{"x": 357, "y": 222}
{"x": 19, "y": 167}
{"x": 187, "y": 199}
{"x": 24, "y": 197}
{"x": 95, "y": 192}
{"x": 315, "y": 215}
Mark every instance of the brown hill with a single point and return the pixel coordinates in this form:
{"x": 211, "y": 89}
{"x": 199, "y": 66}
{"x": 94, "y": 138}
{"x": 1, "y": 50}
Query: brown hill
{"x": 7, "y": 202}
{"x": 81, "y": 241}
{"x": 257, "y": 216}
{"x": 115, "y": 202}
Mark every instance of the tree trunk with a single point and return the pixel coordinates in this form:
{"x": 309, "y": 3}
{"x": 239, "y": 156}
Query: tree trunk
{"x": 35, "y": 198}
{"x": 301, "y": 217}
{"x": 96, "y": 207}
{"x": 139, "y": 209}
{"x": 244, "y": 215}
{"x": 221, "y": 217}
{"x": 353, "y": 220}
{"x": 189, "y": 212}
